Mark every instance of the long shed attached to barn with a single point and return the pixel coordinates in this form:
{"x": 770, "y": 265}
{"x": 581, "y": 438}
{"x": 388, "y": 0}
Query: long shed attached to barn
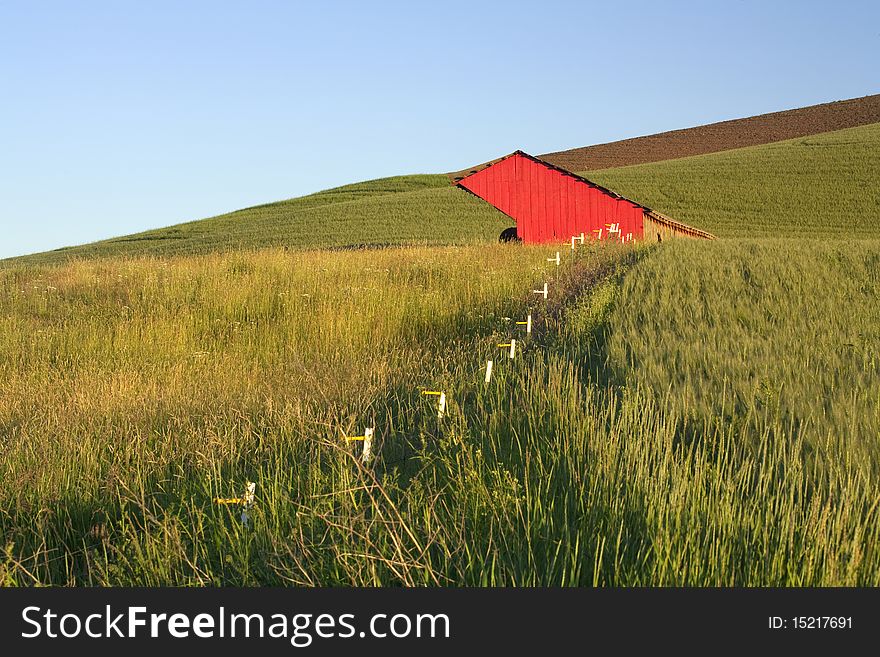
{"x": 550, "y": 204}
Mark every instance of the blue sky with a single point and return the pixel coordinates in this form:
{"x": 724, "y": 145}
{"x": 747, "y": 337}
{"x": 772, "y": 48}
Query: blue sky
{"x": 120, "y": 116}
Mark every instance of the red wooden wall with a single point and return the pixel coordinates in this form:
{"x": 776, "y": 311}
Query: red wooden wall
{"x": 547, "y": 204}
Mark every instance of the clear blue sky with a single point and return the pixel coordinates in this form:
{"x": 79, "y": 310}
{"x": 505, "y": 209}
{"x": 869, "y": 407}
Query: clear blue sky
{"x": 120, "y": 116}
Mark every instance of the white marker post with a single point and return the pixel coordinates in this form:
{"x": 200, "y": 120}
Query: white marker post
{"x": 612, "y": 229}
{"x": 246, "y": 501}
{"x": 511, "y": 346}
{"x": 441, "y": 404}
{"x": 368, "y": 445}
{"x": 543, "y": 292}
{"x": 599, "y": 236}
{"x": 488, "y": 371}
{"x": 629, "y": 237}
{"x": 527, "y": 324}
{"x": 367, "y": 454}
{"x": 556, "y": 259}
{"x": 249, "y": 498}
{"x": 575, "y": 238}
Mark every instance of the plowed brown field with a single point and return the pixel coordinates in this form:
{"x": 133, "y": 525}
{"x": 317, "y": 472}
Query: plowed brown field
{"x": 722, "y": 136}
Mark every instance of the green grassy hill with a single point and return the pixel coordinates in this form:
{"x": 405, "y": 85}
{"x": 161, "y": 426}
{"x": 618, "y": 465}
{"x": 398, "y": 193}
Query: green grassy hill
{"x": 403, "y": 210}
{"x": 824, "y": 185}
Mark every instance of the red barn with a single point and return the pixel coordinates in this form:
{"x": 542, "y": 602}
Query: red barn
{"x": 550, "y": 204}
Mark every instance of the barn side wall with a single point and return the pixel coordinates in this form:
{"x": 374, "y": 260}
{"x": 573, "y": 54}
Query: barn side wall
{"x": 550, "y": 206}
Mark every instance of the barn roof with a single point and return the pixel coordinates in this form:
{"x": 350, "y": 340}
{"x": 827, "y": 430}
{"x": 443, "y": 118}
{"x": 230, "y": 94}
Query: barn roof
{"x": 458, "y": 176}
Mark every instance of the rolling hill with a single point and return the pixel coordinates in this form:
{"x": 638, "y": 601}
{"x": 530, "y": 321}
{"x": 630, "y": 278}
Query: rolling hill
{"x": 419, "y": 209}
{"x": 684, "y": 414}
{"x": 826, "y": 185}
{"x": 818, "y": 185}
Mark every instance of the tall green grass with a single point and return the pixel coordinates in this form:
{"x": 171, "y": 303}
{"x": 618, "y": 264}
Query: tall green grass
{"x": 754, "y": 331}
{"x": 765, "y": 353}
{"x": 612, "y": 451}
{"x": 134, "y": 379}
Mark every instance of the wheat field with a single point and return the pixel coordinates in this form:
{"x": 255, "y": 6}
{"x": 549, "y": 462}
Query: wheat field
{"x": 713, "y": 424}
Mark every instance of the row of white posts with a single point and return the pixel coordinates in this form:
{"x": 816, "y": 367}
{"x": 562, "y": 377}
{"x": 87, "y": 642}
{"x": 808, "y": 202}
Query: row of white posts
{"x": 509, "y": 347}
{"x": 247, "y": 499}
{"x": 613, "y": 232}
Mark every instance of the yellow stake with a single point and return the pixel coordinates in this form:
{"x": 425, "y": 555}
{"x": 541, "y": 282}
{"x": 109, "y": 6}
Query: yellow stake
{"x": 248, "y": 498}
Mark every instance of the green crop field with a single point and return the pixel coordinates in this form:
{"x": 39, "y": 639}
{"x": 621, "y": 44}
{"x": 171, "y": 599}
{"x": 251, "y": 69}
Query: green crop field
{"x": 663, "y": 425}
{"x": 691, "y": 413}
{"x": 407, "y": 210}
{"x": 133, "y": 392}
{"x": 818, "y": 186}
